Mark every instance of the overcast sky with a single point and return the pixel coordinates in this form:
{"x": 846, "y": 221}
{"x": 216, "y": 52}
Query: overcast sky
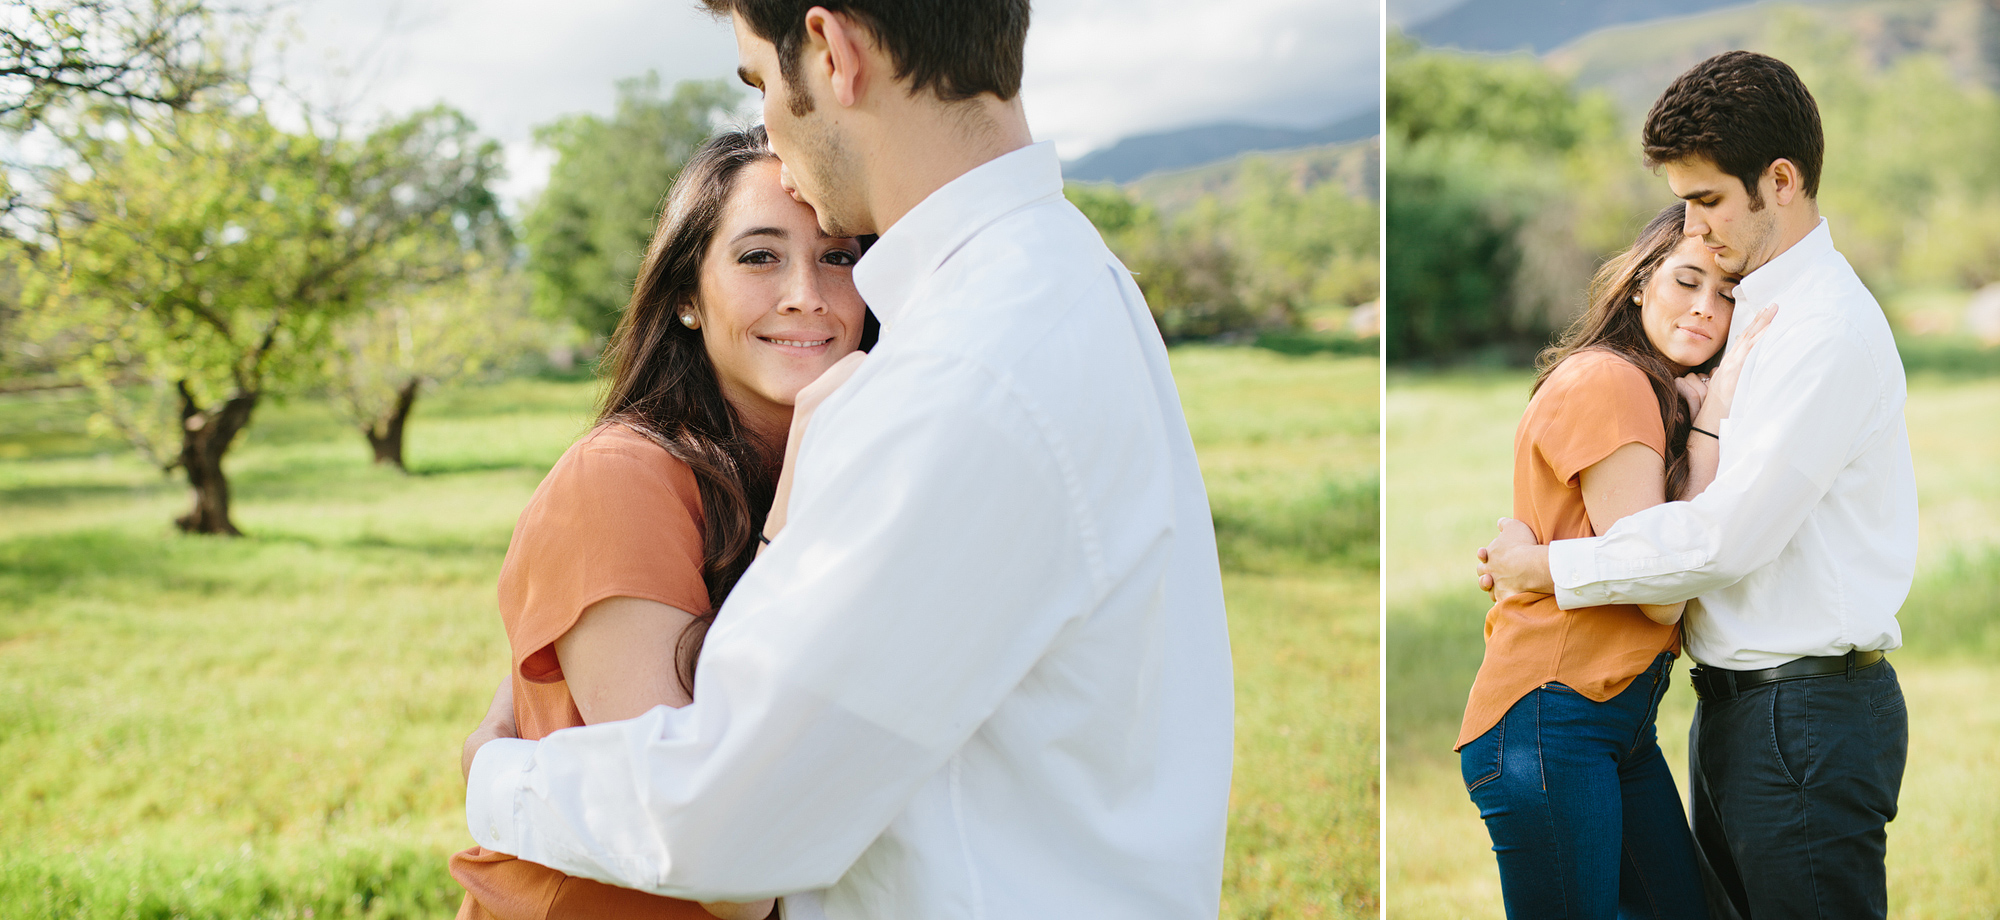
{"x": 1097, "y": 70}
{"x": 1406, "y": 13}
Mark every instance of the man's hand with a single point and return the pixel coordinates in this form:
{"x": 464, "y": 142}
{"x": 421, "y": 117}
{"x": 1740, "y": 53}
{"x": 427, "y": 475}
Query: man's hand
{"x": 1514, "y": 563}
{"x": 498, "y": 723}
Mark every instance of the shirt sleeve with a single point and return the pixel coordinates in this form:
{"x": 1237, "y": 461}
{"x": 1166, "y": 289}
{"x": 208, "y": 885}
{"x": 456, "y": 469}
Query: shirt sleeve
{"x": 1595, "y": 403}
{"x": 934, "y": 551}
{"x": 1822, "y": 400}
{"x": 618, "y": 517}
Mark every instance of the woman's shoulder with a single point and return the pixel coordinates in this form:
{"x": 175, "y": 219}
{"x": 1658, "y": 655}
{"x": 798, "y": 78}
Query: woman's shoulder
{"x": 1586, "y": 365}
{"x": 615, "y": 456}
{"x": 1589, "y": 383}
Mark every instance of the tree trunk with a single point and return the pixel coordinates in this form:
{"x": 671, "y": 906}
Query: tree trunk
{"x": 385, "y": 434}
{"x": 205, "y": 436}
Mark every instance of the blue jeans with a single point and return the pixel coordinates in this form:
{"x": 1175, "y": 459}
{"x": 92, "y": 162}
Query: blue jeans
{"x": 1582, "y": 809}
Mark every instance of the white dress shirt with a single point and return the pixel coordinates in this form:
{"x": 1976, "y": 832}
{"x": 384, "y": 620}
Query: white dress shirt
{"x": 1807, "y": 540}
{"x": 984, "y": 670}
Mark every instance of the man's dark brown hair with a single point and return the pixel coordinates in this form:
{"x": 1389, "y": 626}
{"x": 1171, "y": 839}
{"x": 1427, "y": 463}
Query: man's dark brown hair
{"x": 954, "y": 48}
{"x": 1741, "y": 110}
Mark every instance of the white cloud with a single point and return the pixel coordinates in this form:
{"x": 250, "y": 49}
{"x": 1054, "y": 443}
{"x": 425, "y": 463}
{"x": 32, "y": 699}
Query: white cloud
{"x": 1097, "y": 70}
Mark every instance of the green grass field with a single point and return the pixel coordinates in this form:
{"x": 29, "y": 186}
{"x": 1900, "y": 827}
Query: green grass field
{"x": 269, "y": 727}
{"x": 1450, "y": 464}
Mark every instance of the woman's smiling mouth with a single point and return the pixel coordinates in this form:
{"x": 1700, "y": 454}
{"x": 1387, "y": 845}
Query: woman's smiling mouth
{"x": 796, "y": 343}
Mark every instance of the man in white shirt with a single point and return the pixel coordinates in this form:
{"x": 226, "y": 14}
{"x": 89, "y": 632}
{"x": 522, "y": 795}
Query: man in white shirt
{"x": 1801, "y": 552}
{"x": 983, "y": 669}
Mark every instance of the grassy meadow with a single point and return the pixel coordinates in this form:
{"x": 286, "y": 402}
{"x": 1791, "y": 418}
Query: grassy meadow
{"x": 269, "y": 726}
{"x": 1450, "y": 467}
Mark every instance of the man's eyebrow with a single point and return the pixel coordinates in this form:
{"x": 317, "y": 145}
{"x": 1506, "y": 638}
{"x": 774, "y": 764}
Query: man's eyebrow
{"x": 1699, "y": 193}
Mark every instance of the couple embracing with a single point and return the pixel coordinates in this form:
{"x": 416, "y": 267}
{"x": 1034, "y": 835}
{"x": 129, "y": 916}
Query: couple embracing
{"x": 933, "y": 634}
{"x": 1754, "y": 507}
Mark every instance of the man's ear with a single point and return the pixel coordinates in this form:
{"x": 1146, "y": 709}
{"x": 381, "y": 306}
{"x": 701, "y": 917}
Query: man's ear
{"x": 1786, "y": 182}
{"x": 841, "y": 46}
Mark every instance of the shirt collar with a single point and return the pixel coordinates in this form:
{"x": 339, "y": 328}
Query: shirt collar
{"x": 925, "y": 237}
{"x": 1763, "y": 285}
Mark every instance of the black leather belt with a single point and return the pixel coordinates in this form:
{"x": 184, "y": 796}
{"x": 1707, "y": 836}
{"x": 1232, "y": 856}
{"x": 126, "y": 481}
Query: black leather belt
{"x": 1724, "y": 684}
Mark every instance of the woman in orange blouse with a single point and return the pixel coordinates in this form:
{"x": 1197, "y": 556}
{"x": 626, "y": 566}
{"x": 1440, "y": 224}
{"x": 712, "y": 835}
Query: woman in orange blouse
{"x": 643, "y": 526}
{"x": 1558, "y": 747}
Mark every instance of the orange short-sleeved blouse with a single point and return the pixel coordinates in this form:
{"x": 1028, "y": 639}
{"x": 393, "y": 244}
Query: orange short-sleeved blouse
{"x": 616, "y": 517}
{"x": 1593, "y": 403}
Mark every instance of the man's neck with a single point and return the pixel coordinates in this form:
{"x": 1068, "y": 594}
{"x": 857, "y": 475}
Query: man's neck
{"x": 935, "y": 144}
{"x": 1794, "y": 225}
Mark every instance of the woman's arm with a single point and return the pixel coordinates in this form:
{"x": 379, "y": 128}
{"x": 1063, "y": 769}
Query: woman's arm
{"x": 619, "y": 658}
{"x": 1709, "y": 401}
{"x": 803, "y": 408}
{"x": 619, "y": 661}
{"x": 1631, "y": 479}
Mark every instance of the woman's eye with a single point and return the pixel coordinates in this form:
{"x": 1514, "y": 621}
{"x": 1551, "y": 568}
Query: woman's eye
{"x": 1690, "y": 285}
{"x": 757, "y": 257}
{"x": 838, "y": 257}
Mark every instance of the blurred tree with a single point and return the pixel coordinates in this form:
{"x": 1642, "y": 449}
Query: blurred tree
{"x": 1488, "y": 158}
{"x": 205, "y": 255}
{"x": 426, "y": 334}
{"x": 1255, "y": 249}
{"x": 588, "y": 232}
{"x": 129, "y": 51}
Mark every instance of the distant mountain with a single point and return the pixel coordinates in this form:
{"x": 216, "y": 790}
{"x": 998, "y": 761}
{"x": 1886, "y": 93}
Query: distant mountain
{"x": 1635, "y": 62}
{"x": 1147, "y": 154}
{"x": 1541, "y": 25}
{"x": 1355, "y": 165}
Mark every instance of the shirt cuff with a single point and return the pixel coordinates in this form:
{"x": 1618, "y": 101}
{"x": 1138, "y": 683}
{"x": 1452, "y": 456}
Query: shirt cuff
{"x": 1573, "y": 569}
{"x": 491, "y": 789}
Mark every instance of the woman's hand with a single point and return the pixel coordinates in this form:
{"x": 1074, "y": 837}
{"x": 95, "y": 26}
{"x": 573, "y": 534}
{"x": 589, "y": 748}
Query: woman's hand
{"x": 498, "y": 723}
{"x": 732, "y": 910}
{"x": 816, "y": 392}
{"x": 1694, "y": 390}
{"x": 1721, "y": 389}
{"x": 803, "y": 406}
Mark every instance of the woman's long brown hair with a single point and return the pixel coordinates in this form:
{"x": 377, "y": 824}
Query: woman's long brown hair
{"x": 1613, "y": 322}
{"x": 661, "y": 383}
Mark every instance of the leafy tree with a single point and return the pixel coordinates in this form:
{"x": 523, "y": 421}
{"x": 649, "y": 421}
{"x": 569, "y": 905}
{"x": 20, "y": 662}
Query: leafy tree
{"x": 1480, "y": 150}
{"x": 135, "y": 51}
{"x": 426, "y": 333}
{"x": 205, "y": 255}
{"x": 1253, "y": 254}
{"x": 588, "y": 232}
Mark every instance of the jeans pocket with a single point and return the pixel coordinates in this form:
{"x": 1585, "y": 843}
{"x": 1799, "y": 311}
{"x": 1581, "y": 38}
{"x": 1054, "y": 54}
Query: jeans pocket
{"x": 1889, "y": 701}
{"x": 1790, "y": 743}
{"x": 1479, "y": 759}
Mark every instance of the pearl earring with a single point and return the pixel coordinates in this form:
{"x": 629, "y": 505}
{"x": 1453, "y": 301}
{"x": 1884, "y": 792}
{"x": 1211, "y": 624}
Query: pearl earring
{"x": 688, "y": 320}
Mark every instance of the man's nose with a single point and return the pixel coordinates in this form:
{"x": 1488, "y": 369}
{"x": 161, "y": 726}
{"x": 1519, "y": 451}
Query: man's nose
{"x": 1695, "y": 224}
{"x": 785, "y": 182}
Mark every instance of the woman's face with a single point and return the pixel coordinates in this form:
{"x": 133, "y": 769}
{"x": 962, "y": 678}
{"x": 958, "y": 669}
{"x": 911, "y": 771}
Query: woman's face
{"x": 1685, "y": 306}
{"x": 776, "y": 301}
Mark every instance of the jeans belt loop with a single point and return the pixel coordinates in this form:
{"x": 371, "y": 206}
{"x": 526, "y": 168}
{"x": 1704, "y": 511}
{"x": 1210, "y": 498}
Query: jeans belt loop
{"x": 1851, "y": 655}
{"x": 1729, "y": 680}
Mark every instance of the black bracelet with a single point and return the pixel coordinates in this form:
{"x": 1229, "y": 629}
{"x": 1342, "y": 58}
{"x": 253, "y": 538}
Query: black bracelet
{"x": 763, "y": 539}
{"x": 1709, "y": 433}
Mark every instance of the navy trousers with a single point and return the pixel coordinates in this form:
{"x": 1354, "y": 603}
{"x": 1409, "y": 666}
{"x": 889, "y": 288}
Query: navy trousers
{"x": 1792, "y": 785}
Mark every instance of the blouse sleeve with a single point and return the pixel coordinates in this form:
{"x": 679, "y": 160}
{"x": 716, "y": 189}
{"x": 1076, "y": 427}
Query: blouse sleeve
{"x": 1596, "y": 403}
{"x": 617, "y": 517}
